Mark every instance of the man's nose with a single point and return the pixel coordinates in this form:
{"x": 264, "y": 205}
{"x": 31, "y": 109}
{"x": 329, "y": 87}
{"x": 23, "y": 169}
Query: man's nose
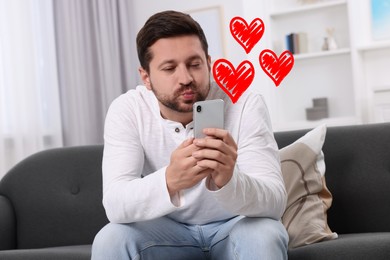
{"x": 185, "y": 77}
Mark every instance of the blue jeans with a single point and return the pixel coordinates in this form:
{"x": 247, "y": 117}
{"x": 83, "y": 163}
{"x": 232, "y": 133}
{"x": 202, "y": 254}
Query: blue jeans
{"x": 165, "y": 239}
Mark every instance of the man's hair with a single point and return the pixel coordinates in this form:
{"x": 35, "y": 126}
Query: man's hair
{"x": 166, "y": 24}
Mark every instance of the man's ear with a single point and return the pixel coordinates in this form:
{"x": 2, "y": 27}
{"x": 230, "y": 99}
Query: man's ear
{"x": 209, "y": 62}
{"x": 145, "y": 77}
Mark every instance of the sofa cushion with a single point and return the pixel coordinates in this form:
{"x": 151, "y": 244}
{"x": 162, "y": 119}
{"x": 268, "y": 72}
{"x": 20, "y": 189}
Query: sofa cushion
{"x": 303, "y": 168}
{"x": 346, "y": 247}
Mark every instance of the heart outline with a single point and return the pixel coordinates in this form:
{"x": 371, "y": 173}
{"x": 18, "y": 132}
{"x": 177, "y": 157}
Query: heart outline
{"x": 247, "y": 35}
{"x": 234, "y": 82}
{"x": 275, "y": 67}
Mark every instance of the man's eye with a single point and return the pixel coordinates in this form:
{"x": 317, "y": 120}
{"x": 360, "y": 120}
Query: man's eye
{"x": 168, "y": 69}
{"x": 195, "y": 65}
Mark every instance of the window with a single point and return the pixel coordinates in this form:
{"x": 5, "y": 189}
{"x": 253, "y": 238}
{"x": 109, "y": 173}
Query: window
{"x": 30, "y": 113}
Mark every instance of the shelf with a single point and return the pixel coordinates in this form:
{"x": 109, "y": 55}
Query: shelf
{"x": 381, "y": 88}
{"x": 308, "y": 7}
{"x": 321, "y": 54}
{"x": 374, "y": 46}
{"x": 342, "y": 74}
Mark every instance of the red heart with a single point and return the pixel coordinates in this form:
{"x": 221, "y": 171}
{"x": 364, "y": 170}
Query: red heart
{"x": 233, "y": 82}
{"x": 276, "y": 68}
{"x": 246, "y": 35}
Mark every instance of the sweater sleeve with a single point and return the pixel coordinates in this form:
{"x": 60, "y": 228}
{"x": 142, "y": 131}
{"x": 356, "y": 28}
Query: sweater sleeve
{"x": 127, "y": 197}
{"x": 256, "y": 188}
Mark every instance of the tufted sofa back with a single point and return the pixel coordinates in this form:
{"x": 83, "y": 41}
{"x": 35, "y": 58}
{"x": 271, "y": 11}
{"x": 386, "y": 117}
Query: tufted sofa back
{"x": 55, "y": 197}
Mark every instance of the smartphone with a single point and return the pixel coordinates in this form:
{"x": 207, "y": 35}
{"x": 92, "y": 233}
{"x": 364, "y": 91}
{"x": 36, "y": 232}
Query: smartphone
{"x": 208, "y": 114}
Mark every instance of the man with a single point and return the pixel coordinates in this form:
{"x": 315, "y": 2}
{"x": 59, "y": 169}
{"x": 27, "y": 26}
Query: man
{"x": 170, "y": 196}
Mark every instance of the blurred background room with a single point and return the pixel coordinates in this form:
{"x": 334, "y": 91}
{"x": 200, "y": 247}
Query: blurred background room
{"x": 62, "y": 62}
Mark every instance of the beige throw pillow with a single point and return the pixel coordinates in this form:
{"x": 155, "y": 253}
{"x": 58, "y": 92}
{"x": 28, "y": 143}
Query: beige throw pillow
{"x": 303, "y": 169}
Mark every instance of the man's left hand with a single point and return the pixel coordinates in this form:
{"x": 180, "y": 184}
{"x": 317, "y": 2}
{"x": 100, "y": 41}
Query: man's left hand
{"x": 218, "y": 152}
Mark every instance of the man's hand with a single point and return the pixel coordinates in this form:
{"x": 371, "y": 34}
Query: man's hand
{"x": 218, "y": 152}
{"x": 183, "y": 172}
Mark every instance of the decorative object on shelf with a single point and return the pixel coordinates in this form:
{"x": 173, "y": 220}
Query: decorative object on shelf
{"x": 305, "y": 2}
{"x": 380, "y": 19}
{"x": 382, "y": 113}
{"x": 319, "y": 109}
{"x": 329, "y": 43}
{"x": 332, "y": 45}
{"x": 381, "y": 103}
{"x": 325, "y": 45}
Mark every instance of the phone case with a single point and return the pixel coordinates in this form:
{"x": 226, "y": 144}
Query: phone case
{"x": 208, "y": 114}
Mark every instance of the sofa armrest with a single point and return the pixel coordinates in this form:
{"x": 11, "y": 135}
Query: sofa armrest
{"x": 7, "y": 224}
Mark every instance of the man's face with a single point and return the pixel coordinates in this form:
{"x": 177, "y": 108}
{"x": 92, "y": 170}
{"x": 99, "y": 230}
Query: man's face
{"x": 179, "y": 73}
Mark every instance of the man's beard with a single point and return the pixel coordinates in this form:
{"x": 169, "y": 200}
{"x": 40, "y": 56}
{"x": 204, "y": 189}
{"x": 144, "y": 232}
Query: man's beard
{"x": 173, "y": 102}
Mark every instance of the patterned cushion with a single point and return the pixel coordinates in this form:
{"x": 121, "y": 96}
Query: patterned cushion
{"x": 303, "y": 169}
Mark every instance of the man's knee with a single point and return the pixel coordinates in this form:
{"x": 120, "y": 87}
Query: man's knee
{"x": 254, "y": 238}
{"x": 263, "y": 230}
{"x": 110, "y": 241}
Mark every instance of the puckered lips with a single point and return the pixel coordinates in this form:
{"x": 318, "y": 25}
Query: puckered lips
{"x": 188, "y": 94}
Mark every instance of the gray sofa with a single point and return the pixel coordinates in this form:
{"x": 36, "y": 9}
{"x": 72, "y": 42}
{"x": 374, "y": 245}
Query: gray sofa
{"x": 50, "y": 203}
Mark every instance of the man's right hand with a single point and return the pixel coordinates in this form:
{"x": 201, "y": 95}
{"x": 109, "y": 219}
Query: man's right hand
{"x": 183, "y": 171}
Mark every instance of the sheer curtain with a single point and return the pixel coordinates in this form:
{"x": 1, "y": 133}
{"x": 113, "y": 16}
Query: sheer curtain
{"x": 61, "y": 65}
{"x": 29, "y": 100}
{"x": 97, "y": 62}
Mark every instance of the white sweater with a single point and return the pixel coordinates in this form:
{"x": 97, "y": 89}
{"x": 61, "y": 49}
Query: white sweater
{"x": 138, "y": 144}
